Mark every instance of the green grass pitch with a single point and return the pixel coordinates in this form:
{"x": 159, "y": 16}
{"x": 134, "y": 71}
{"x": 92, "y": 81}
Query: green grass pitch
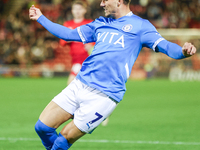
{"x": 154, "y": 115}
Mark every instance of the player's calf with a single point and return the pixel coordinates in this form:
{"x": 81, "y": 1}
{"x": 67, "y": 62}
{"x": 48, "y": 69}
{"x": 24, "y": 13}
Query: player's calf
{"x": 47, "y": 134}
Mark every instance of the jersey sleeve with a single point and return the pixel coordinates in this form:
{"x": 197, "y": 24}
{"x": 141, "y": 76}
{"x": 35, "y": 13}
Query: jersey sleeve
{"x": 152, "y": 39}
{"x": 87, "y": 32}
{"x": 59, "y": 31}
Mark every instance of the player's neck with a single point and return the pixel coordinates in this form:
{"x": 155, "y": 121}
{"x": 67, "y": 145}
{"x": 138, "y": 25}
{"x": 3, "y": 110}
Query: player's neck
{"x": 78, "y": 20}
{"x": 123, "y": 10}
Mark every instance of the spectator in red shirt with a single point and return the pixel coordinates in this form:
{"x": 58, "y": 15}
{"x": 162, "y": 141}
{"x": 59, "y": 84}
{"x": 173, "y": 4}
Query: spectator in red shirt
{"x": 78, "y": 51}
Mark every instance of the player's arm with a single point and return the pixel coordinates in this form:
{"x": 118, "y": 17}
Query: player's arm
{"x": 54, "y": 28}
{"x": 152, "y": 39}
{"x": 175, "y": 51}
{"x": 63, "y": 42}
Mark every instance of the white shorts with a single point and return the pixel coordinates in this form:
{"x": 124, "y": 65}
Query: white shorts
{"x": 88, "y": 105}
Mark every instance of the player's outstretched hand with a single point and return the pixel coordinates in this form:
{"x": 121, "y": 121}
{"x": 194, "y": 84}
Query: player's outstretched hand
{"x": 188, "y": 49}
{"x": 34, "y": 13}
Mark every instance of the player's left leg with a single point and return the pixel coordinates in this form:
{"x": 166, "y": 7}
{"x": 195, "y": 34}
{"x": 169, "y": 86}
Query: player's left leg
{"x": 69, "y": 134}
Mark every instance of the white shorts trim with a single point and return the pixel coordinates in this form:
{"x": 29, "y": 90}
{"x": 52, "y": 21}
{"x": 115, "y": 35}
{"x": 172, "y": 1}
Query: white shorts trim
{"x": 88, "y": 105}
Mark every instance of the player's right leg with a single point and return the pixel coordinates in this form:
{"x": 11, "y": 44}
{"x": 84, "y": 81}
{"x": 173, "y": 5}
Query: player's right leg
{"x": 50, "y": 119}
{"x": 54, "y": 115}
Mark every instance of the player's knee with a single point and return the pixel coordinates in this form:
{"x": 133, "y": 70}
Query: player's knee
{"x": 39, "y": 127}
{"x": 47, "y": 134}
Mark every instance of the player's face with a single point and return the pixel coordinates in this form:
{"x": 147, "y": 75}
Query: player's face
{"x": 110, "y": 7}
{"x": 78, "y": 11}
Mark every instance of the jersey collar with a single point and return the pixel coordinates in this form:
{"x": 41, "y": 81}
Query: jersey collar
{"x": 130, "y": 13}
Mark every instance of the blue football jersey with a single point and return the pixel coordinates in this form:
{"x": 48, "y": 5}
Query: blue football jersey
{"x": 118, "y": 43}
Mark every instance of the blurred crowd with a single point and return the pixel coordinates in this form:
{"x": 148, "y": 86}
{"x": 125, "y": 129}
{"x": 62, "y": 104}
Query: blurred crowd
{"x": 169, "y": 13}
{"x": 24, "y": 42}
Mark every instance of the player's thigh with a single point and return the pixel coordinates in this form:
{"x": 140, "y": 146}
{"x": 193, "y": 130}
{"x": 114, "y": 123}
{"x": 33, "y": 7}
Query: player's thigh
{"x": 95, "y": 107}
{"x": 53, "y": 115}
{"x": 62, "y": 107}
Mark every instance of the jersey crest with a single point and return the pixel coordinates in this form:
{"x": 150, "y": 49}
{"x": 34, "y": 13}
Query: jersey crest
{"x": 127, "y": 28}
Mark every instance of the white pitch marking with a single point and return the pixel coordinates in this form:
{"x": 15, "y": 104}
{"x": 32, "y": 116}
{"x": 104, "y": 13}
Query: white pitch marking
{"x": 107, "y": 141}
{"x": 141, "y": 142}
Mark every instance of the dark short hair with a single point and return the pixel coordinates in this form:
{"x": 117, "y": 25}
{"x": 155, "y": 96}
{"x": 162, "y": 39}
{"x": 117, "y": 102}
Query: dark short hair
{"x": 126, "y": 2}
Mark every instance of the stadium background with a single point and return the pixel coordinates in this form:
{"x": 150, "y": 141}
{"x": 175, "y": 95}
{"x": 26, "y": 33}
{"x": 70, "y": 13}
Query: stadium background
{"x": 27, "y": 49}
{"x": 155, "y": 112}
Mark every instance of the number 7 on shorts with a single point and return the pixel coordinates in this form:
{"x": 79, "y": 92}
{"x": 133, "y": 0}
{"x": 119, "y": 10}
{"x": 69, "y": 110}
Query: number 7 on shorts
{"x": 99, "y": 116}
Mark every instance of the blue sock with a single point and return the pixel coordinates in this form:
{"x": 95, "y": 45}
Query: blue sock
{"x": 61, "y": 143}
{"x": 47, "y": 134}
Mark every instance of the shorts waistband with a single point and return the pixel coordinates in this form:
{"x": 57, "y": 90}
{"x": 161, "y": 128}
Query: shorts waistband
{"x": 98, "y": 90}
{"x": 113, "y": 100}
